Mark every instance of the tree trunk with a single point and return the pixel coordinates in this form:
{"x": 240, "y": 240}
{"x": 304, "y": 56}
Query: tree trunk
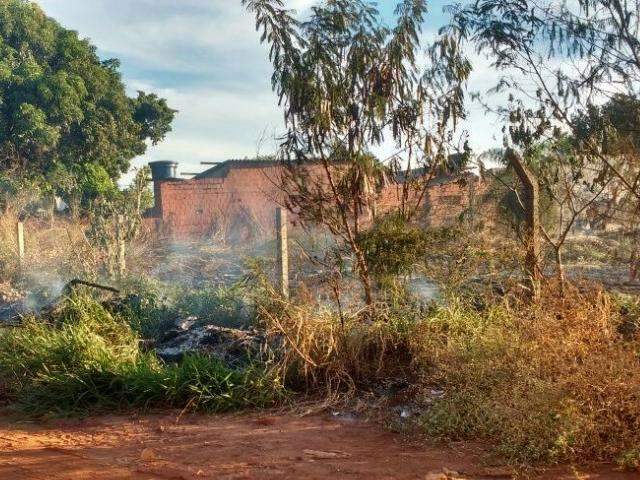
{"x": 52, "y": 211}
{"x": 120, "y": 247}
{"x": 560, "y": 269}
{"x": 531, "y": 203}
{"x": 365, "y": 278}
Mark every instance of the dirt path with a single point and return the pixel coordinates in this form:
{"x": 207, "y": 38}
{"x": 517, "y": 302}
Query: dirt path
{"x": 231, "y": 447}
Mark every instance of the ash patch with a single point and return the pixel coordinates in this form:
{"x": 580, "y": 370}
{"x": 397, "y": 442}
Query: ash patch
{"x": 232, "y": 346}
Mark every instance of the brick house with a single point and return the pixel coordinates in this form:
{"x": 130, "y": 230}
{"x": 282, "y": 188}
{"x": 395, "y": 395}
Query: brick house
{"x": 241, "y": 196}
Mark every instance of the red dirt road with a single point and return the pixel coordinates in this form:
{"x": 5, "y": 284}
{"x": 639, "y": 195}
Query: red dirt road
{"x": 232, "y": 447}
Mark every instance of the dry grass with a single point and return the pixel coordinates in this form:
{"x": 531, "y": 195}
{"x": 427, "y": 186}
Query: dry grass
{"x": 547, "y": 383}
{"x": 325, "y": 353}
{"x": 551, "y": 382}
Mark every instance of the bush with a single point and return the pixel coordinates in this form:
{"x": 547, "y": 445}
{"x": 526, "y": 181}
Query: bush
{"x": 152, "y": 307}
{"x": 324, "y": 351}
{"x": 88, "y": 359}
{"x": 146, "y": 307}
{"x": 393, "y": 247}
{"x": 226, "y": 306}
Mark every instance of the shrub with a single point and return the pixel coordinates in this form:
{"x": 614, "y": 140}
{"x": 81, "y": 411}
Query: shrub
{"x": 393, "y": 247}
{"x": 324, "y": 351}
{"x": 87, "y": 358}
{"x": 146, "y": 306}
{"x": 222, "y": 305}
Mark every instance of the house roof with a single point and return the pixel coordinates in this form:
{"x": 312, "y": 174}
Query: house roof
{"x": 222, "y": 169}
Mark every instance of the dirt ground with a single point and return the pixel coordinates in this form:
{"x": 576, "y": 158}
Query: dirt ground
{"x": 252, "y": 446}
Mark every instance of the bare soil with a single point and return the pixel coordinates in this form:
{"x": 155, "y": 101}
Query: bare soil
{"x": 254, "y": 446}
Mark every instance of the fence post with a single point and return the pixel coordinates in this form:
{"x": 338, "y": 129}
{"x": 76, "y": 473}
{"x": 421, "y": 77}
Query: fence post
{"x": 121, "y": 248}
{"x": 20, "y": 240}
{"x": 531, "y": 204}
{"x": 283, "y": 251}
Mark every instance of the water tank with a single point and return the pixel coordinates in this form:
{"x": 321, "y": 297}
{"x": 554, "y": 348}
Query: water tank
{"x": 163, "y": 170}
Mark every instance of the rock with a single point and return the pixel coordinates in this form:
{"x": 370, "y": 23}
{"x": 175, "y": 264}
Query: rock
{"x": 320, "y": 455}
{"x": 148, "y": 455}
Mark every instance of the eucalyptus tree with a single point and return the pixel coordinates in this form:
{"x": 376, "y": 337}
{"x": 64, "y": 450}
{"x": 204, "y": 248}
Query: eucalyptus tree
{"x": 346, "y": 83}
{"x": 558, "y": 59}
{"x": 571, "y": 184}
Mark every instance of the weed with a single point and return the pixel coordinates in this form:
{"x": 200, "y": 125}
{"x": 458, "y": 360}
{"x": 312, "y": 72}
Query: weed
{"x": 226, "y": 306}
{"x": 89, "y": 359}
{"x": 630, "y": 459}
{"x": 545, "y": 383}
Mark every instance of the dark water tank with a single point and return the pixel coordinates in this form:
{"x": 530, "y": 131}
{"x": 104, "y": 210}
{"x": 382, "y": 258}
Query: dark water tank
{"x": 163, "y": 170}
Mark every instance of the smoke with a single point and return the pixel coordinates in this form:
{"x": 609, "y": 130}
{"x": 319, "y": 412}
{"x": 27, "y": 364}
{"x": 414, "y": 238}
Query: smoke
{"x": 43, "y": 289}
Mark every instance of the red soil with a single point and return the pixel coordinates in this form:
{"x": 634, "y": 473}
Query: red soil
{"x": 235, "y": 447}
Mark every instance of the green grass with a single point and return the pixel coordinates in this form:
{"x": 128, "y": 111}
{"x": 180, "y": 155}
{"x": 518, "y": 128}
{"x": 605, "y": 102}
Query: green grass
{"x": 226, "y": 306}
{"x": 152, "y": 307}
{"x": 88, "y": 359}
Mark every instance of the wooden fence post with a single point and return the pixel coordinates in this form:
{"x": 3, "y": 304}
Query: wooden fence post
{"x": 20, "y": 240}
{"x": 120, "y": 247}
{"x": 283, "y": 251}
{"x": 531, "y": 205}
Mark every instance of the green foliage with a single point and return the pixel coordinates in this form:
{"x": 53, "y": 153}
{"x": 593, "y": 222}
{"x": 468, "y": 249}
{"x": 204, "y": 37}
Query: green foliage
{"x": 347, "y": 81}
{"x": 614, "y": 126}
{"x": 534, "y": 46}
{"x": 147, "y": 306}
{"x": 227, "y": 306}
{"x": 62, "y": 108}
{"x": 116, "y": 215}
{"x": 393, "y": 247}
{"x": 87, "y": 358}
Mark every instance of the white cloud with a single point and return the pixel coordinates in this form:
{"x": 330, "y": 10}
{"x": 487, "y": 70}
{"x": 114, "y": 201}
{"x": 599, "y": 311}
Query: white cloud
{"x": 214, "y": 125}
{"x": 190, "y": 37}
{"x": 204, "y": 56}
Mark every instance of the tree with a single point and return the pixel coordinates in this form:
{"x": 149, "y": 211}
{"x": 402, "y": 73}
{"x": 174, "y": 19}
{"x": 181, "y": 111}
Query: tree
{"x": 116, "y": 218}
{"x": 572, "y": 185}
{"x": 614, "y": 128}
{"x": 62, "y": 108}
{"x": 530, "y": 203}
{"x": 563, "y": 57}
{"x": 345, "y": 82}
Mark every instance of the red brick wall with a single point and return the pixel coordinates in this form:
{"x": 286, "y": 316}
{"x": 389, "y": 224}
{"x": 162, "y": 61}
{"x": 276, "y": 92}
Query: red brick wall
{"x": 245, "y": 199}
{"x": 244, "y": 202}
{"x": 441, "y": 205}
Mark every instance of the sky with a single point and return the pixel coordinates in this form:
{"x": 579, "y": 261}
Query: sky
{"x": 205, "y": 58}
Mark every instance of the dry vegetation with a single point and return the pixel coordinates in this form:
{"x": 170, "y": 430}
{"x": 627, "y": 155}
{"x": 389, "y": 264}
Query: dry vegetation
{"x": 546, "y": 382}
{"x": 542, "y": 383}
{"x": 551, "y": 383}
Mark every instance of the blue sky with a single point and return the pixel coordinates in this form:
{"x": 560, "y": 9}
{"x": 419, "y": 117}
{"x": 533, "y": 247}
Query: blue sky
{"x": 204, "y": 56}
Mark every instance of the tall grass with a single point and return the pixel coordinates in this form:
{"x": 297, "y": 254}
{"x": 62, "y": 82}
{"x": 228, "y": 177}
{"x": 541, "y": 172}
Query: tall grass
{"x": 546, "y": 383}
{"x": 87, "y": 359}
{"x": 324, "y": 352}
